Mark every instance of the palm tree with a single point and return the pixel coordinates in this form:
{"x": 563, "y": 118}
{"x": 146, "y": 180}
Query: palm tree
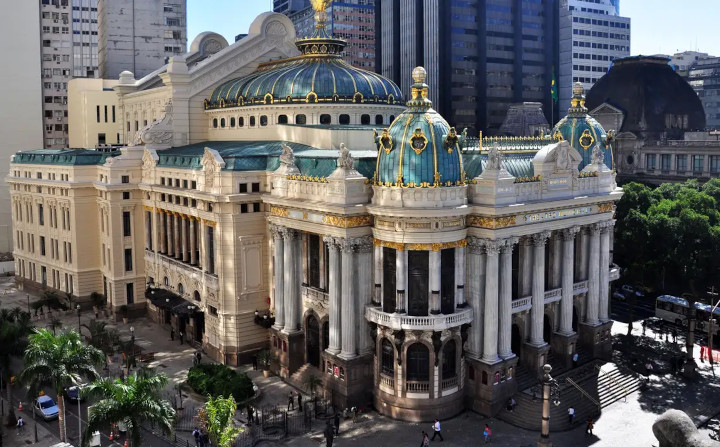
{"x": 136, "y": 400}
{"x": 58, "y": 361}
{"x": 312, "y": 382}
{"x": 15, "y": 325}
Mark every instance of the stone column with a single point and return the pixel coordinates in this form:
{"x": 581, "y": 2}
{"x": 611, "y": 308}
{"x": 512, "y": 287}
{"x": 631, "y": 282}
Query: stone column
{"x": 525, "y": 273}
{"x": 400, "y": 279}
{"x": 476, "y": 291}
{"x": 538, "y": 289}
{"x": 604, "y": 294}
{"x": 176, "y": 237}
{"x": 278, "y": 275}
{"x": 291, "y": 266}
{"x": 593, "y": 293}
{"x": 322, "y": 262}
{"x": 460, "y": 277}
{"x": 168, "y": 234}
{"x": 335, "y": 294}
{"x": 582, "y": 257}
{"x": 490, "y": 336}
{"x": 202, "y": 229}
{"x": 160, "y": 226}
{"x": 434, "y": 281}
{"x": 378, "y": 274}
{"x": 556, "y": 260}
{"x": 349, "y": 303}
{"x": 193, "y": 242}
{"x": 568, "y": 273}
{"x": 148, "y": 230}
{"x": 505, "y": 307}
{"x": 365, "y": 292}
{"x": 184, "y": 238}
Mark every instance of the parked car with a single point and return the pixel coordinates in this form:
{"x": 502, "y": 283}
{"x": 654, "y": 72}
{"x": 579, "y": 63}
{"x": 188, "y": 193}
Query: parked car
{"x": 627, "y": 289}
{"x": 75, "y": 392}
{"x": 46, "y": 408}
{"x": 619, "y": 295}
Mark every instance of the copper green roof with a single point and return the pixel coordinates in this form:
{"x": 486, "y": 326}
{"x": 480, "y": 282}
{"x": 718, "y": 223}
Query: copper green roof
{"x": 74, "y": 157}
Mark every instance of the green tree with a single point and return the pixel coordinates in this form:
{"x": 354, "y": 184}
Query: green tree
{"x": 58, "y": 361}
{"x": 217, "y": 418}
{"x": 135, "y": 401}
{"x": 101, "y": 337}
{"x": 15, "y": 326}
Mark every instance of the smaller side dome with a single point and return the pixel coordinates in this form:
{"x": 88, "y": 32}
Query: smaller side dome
{"x": 419, "y": 149}
{"x": 581, "y": 130}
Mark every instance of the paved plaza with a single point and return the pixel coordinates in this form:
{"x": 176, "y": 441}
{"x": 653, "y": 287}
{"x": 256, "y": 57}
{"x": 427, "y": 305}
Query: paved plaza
{"x": 621, "y": 424}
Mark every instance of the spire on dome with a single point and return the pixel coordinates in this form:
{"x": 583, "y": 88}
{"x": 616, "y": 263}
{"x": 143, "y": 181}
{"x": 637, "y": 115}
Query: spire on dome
{"x": 321, "y": 42}
{"x": 577, "y": 103}
{"x": 419, "y": 97}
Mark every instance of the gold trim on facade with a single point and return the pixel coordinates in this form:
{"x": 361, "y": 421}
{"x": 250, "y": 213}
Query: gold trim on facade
{"x": 491, "y": 222}
{"x": 605, "y": 207}
{"x": 280, "y": 212}
{"x": 347, "y": 222}
{"x": 420, "y": 247}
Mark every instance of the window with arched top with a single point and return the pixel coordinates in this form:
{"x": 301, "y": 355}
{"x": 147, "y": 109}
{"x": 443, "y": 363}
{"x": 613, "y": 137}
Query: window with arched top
{"x": 241, "y": 122}
{"x": 181, "y": 288}
{"x": 222, "y": 122}
{"x": 300, "y": 119}
{"x": 196, "y": 295}
{"x": 365, "y": 119}
{"x": 325, "y": 119}
{"x": 252, "y": 121}
{"x": 449, "y": 369}
{"x": 392, "y": 118}
{"x": 282, "y": 119}
{"x": 166, "y": 281}
{"x": 263, "y": 120}
{"x": 418, "y": 362}
{"x": 232, "y": 122}
{"x": 215, "y": 123}
{"x": 378, "y": 119}
{"x": 387, "y": 352}
{"x": 344, "y": 119}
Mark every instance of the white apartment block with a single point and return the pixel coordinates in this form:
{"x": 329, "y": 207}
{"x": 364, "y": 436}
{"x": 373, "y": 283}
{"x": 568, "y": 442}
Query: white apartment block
{"x": 592, "y": 35}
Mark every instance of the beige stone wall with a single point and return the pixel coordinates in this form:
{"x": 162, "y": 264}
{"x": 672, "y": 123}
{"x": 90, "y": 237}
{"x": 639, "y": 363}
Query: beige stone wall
{"x": 84, "y": 125}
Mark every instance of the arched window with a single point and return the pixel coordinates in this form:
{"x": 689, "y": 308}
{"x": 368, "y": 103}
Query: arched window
{"x": 196, "y": 295}
{"x": 263, "y": 120}
{"x": 365, "y": 120}
{"x": 241, "y": 122}
{"x": 388, "y": 357}
{"x": 448, "y": 360}
{"x": 300, "y": 119}
{"x": 222, "y": 122}
{"x": 392, "y": 118}
{"x": 181, "y": 288}
{"x": 325, "y": 119}
{"x": 418, "y": 362}
{"x": 252, "y": 121}
{"x": 358, "y": 98}
{"x": 378, "y": 120}
{"x": 166, "y": 281}
{"x": 215, "y": 123}
{"x": 282, "y": 119}
{"x": 344, "y": 119}
{"x": 232, "y": 122}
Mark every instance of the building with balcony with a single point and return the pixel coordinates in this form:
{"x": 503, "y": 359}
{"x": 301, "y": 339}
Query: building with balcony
{"x": 406, "y": 264}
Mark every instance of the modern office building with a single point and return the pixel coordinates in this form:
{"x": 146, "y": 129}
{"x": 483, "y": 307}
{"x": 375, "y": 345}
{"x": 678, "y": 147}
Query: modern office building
{"x": 592, "y": 35}
{"x": 351, "y": 20}
{"x": 682, "y": 61}
{"x": 481, "y": 56}
{"x": 404, "y": 263}
{"x": 703, "y": 76}
{"x": 139, "y": 36}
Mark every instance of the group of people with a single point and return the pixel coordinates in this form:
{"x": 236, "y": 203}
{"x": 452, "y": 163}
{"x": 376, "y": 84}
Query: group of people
{"x": 201, "y": 437}
{"x": 437, "y": 431}
{"x": 332, "y": 429}
{"x": 291, "y": 400}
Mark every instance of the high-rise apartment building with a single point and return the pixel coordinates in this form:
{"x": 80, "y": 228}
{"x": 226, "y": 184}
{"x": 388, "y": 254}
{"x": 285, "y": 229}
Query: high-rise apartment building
{"x": 351, "y": 20}
{"x": 481, "y": 56}
{"x": 139, "y": 35}
{"x": 592, "y": 35}
{"x": 704, "y": 77}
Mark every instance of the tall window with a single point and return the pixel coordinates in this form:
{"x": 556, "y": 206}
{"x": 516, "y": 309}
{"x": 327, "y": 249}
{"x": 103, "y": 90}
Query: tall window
{"x": 313, "y": 253}
{"x": 128, "y": 260}
{"x": 651, "y": 162}
{"x": 681, "y": 163}
{"x": 665, "y": 160}
{"x": 41, "y": 214}
{"x": 130, "y": 293}
{"x": 448, "y": 360}
{"x": 715, "y": 163}
{"x": 698, "y": 161}
{"x": 211, "y": 249}
{"x": 418, "y": 362}
{"x": 126, "y": 223}
{"x": 42, "y": 245}
{"x": 388, "y": 357}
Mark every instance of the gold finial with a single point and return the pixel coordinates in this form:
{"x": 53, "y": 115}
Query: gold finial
{"x": 578, "y": 89}
{"x": 320, "y": 5}
{"x": 419, "y": 74}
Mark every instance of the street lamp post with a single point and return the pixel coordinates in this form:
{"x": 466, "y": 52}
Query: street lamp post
{"x": 550, "y": 389}
{"x": 78, "y": 314}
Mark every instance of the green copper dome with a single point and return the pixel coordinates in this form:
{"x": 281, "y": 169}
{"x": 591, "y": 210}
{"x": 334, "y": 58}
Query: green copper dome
{"x": 419, "y": 149}
{"x": 582, "y": 131}
{"x": 318, "y": 75}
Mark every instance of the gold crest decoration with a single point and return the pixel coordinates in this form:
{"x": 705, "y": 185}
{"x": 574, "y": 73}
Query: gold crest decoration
{"x": 418, "y": 141}
{"x": 451, "y": 140}
{"x": 586, "y": 139}
{"x": 386, "y": 141}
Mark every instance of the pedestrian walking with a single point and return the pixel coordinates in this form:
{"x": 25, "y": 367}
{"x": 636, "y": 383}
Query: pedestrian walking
{"x": 425, "y": 440}
{"x": 204, "y": 439}
{"x": 590, "y": 426}
{"x": 172, "y": 334}
{"x": 199, "y": 357}
{"x": 511, "y": 403}
{"x": 674, "y": 335}
{"x": 329, "y": 435}
{"x": 644, "y": 326}
{"x": 436, "y": 430}
{"x": 571, "y": 415}
{"x": 181, "y": 337}
{"x": 291, "y": 401}
{"x": 336, "y": 421}
{"x": 196, "y": 435}
{"x": 487, "y": 433}
{"x": 575, "y": 359}
{"x": 20, "y": 425}
{"x": 299, "y": 401}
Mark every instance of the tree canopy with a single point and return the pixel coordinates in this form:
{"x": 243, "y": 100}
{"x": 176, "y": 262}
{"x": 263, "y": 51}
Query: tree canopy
{"x": 668, "y": 237}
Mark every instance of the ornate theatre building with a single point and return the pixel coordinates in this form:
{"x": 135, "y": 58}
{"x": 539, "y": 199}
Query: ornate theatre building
{"x": 409, "y": 264}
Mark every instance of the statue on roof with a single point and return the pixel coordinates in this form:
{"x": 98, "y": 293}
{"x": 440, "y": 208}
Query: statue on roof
{"x": 598, "y": 158}
{"x": 494, "y": 158}
{"x": 345, "y": 161}
{"x": 287, "y": 157}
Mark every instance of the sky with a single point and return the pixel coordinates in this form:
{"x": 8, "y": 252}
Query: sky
{"x": 657, "y": 26}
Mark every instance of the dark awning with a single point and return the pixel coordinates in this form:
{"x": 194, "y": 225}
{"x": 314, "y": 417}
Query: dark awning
{"x": 168, "y": 300}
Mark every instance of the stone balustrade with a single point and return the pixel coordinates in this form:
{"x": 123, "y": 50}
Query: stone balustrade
{"x": 427, "y": 323}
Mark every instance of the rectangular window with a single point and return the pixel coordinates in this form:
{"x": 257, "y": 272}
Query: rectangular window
{"x": 128, "y": 260}
{"x": 665, "y": 160}
{"x": 42, "y": 245}
{"x": 130, "y": 293}
{"x": 243, "y": 208}
{"x": 256, "y": 207}
{"x": 256, "y": 187}
{"x": 41, "y": 214}
{"x": 113, "y": 114}
{"x": 681, "y": 163}
{"x": 97, "y": 113}
{"x": 243, "y": 187}
{"x": 125, "y": 179}
{"x": 126, "y": 223}
{"x": 106, "y": 114}
{"x": 69, "y": 253}
{"x": 126, "y": 195}
{"x": 650, "y": 162}
{"x": 715, "y": 163}
{"x": 698, "y": 161}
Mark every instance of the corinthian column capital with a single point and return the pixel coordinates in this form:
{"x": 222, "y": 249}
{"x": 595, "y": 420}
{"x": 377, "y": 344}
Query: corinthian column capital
{"x": 493, "y": 246}
{"x": 568, "y": 234}
{"x": 539, "y": 239}
{"x": 508, "y": 244}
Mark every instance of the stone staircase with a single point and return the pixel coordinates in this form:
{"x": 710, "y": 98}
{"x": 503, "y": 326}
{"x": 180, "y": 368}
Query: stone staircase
{"x": 300, "y": 376}
{"x": 603, "y": 388}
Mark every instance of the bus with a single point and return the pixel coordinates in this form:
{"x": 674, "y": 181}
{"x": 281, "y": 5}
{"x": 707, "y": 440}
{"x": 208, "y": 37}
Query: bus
{"x": 674, "y": 310}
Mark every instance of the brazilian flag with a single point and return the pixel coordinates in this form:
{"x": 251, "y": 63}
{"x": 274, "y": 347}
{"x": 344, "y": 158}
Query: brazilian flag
{"x": 553, "y": 89}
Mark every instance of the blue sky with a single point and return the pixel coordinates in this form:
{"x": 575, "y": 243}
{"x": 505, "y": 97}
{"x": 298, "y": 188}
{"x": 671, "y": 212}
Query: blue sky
{"x": 658, "y": 26}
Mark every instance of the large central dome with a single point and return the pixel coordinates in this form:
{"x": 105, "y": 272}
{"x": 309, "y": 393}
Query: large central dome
{"x": 318, "y": 75}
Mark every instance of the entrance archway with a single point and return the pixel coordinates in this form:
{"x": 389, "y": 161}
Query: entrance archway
{"x": 547, "y": 328}
{"x": 312, "y": 341}
{"x": 575, "y": 319}
{"x": 515, "y": 340}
